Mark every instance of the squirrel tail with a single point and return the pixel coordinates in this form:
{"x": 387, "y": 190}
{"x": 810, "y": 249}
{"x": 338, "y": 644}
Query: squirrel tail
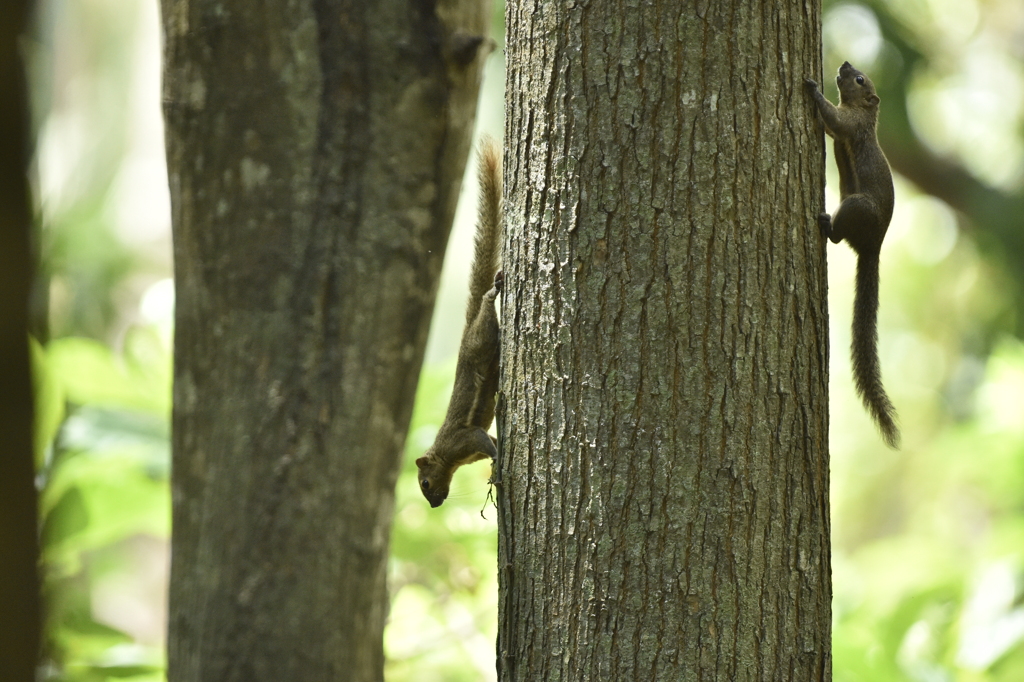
{"x": 488, "y": 227}
{"x": 867, "y": 374}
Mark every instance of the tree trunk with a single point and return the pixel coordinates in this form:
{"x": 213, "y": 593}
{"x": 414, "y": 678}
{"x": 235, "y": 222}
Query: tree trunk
{"x": 664, "y": 509}
{"x": 19, "y": 526}
{"x": 315, "y": 152}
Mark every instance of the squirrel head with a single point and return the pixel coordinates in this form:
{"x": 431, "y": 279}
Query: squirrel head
{"x": 855, "y": 88}
{"x": 434, "y": 478}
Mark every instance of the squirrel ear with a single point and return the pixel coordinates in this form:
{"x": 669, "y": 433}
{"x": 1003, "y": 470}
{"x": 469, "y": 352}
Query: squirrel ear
{"x": 421, "y": 462}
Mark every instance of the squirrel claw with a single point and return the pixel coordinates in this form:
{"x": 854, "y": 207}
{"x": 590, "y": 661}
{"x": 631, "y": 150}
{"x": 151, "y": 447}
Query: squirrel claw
{"x": 825, "y": 224}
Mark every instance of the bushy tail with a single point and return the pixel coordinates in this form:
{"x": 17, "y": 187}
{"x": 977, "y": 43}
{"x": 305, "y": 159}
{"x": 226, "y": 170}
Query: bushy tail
{"x": 488, "y": 227}
{"x": 867, "y": 375}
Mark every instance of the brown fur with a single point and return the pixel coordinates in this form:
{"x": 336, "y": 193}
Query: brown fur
{"x": 463, "y": 436}
{"x": 865, "y": 187}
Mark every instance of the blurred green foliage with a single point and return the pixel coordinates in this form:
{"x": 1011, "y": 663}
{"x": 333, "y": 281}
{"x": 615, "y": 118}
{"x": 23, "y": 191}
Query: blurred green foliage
{"x": 104, "y": 464}
{"x": 103, "y": 460}
{"x": 928, "y": 543}
{"x": 443, "y": 577}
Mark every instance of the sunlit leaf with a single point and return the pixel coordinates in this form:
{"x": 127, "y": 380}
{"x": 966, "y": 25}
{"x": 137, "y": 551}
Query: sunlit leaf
{"x": 66, "y": 518}
{"x": 92, "y": 375}
{"x": 119, "y": 497}
{"x": 49, "y": 402}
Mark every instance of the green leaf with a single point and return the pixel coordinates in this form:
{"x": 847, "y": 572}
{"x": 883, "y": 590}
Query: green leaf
{"x": 119, "y": 497}
{"x": 49, "y": 403}
{"x": 67, "y": 518}
{"x": 92, "y": 375}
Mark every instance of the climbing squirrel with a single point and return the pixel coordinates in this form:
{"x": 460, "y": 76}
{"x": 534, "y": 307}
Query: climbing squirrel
{"x": 866, "y": 192}
{"x": 463, "y": 438}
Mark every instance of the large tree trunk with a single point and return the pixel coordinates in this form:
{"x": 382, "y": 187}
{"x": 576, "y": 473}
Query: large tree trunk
{"x": 664, "y": 510}
{"x": 316, "y": 150}
{"x": 19, "y": 539}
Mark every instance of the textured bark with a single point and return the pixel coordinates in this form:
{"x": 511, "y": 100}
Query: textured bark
{"x": 315, "y": 153}
{"x": 664, "y": 509}
{"x": 19, "y": 556}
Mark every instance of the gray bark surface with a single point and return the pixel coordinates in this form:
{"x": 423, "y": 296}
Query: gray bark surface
{"x": 315, "y": 151}
{"x": 664, "y": 507}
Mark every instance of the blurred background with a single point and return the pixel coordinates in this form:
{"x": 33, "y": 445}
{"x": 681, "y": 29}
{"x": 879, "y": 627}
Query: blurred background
{"x": 928, "y": 543}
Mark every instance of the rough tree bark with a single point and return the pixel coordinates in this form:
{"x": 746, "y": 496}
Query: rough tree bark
{"x": 664, "y": 509}
{"x": 19, "y": 581}
{"x": 315, "y": 152}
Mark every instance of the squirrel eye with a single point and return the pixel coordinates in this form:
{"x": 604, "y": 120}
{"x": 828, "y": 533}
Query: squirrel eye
{"x": 860, "y": 80}
{"x": 425, "y": 485}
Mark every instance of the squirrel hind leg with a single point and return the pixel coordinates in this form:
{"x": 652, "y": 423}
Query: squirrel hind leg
{"x": 857, "y": 221}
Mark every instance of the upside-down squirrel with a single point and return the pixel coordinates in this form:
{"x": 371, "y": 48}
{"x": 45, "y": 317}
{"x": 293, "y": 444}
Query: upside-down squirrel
{"x": 463, "y": 438}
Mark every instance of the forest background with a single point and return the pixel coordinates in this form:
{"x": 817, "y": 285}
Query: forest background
{"x": 928, "y": 543}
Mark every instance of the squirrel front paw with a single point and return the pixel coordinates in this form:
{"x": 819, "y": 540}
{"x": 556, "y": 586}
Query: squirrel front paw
{"x": 810, "y": 84}
{"x": 499, "y": 280}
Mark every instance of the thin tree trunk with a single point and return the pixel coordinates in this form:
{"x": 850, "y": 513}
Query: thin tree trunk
{"x": 316, "y": 150}
{"x": 664, "y": 506}
{"x": 19, "y": 530}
